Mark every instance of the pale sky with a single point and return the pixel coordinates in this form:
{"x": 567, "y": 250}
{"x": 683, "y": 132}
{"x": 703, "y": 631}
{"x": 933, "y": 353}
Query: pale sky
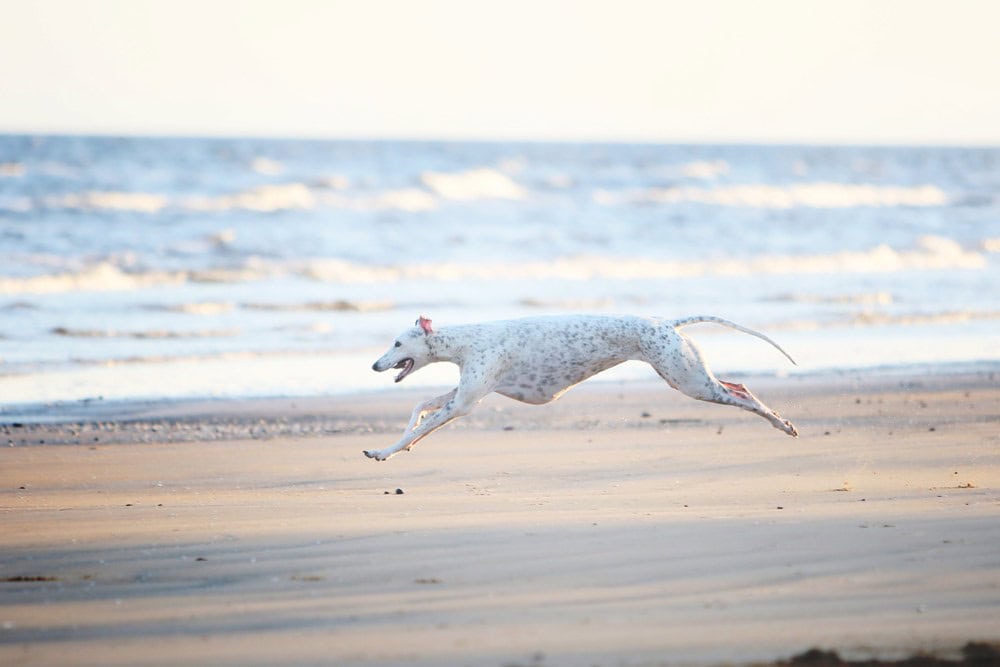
{"x": 825, "y": 71}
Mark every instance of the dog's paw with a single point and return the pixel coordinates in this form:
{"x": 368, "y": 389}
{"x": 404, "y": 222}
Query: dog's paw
{"x": 374, "y": 454}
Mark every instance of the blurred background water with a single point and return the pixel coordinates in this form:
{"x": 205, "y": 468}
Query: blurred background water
{"x": 145, "y": 268}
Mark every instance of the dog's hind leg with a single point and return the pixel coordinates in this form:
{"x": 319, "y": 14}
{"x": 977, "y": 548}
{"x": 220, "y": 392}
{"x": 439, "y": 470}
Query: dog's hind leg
{"x": 741, "y": 397}
{"x": 679, "y": 361}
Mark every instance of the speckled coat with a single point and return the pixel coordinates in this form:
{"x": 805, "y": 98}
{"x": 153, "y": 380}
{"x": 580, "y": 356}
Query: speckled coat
{"x": 537, "y": 359}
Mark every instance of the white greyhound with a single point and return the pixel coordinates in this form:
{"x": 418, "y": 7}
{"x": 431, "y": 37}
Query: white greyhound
{"x": 537, "y": 359}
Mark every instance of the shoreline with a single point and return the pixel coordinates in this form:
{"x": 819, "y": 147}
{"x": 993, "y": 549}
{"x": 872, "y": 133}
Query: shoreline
{"x": 100, "y": 410}
{"x": 624, "y": 524}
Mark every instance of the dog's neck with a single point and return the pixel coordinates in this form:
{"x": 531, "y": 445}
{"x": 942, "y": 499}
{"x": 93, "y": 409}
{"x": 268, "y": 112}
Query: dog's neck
{"x": 445, "y": 345}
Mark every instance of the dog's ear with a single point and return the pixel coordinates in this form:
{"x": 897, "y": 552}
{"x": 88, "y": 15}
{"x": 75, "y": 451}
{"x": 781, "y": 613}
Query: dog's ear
{"x": 424, "y": 324}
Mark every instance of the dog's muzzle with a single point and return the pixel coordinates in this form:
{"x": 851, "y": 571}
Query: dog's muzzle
{"x": 405, "y": 364}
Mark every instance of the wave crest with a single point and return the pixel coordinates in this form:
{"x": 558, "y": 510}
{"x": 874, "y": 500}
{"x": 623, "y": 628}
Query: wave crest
{"x": 466, "y": 186}
{"x": 930, "y": 253}
{"x": 474, "y": 184}
{"x": 141, "y": 202}
{"x": 263, "y": 199}
{"x": 808, "y": 195}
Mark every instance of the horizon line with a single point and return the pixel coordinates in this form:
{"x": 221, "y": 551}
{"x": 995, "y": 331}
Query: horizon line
{"x": 348, "y": 137}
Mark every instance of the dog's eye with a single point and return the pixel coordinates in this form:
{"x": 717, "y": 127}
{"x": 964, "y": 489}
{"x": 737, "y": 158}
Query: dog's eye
{"x": 398, "y": 344}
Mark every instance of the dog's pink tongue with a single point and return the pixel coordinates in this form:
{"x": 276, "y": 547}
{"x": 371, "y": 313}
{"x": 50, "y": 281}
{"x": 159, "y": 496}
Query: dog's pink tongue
{"x": 408, "y": 366}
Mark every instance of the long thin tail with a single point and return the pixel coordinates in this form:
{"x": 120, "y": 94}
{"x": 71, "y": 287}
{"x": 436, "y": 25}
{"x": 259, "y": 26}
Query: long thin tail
{"x": 697, "y": 319}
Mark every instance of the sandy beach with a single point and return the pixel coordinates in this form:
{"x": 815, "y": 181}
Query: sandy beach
{"x": 622, "y": 525}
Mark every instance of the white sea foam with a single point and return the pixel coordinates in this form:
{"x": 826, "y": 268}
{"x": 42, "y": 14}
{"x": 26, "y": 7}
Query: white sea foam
{"x": 106, "y": 276}
{"x": 208, "y": 308}
{"x": 149, "y": 334}
{"x": 704, "y": 169}
{"x": 811, "y": 195}
{"x": 339, "y": 305}
{"x": 931, "y": 252}
{"x": 872, "y": 317}
{"x": 254, "y": 270}
{"x": 263, "y": 199}
{"x": 140, "y": 202}
{"x": 864, "y": 299}
{"x": 336, "y": 182}
{"x": 102, "y": 276}
{"x": 267, "y": 166}
{"x": 568, "y": 304}
{"x": 474, "y": 184}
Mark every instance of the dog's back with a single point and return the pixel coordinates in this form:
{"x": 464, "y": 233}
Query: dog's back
{"x": 545, "y": 356}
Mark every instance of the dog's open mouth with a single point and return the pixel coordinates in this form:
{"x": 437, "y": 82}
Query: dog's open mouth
{"x": 406, "y": 365}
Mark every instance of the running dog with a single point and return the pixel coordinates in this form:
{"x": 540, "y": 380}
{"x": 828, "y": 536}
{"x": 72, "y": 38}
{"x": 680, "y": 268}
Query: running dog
{"x": 537, "y": 359}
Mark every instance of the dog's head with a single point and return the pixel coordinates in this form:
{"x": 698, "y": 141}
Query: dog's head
{"x": 409, "y": 352}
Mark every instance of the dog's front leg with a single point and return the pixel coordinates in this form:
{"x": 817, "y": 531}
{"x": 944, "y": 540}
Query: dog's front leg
{"x": 470, "y": 391}
{"x": 429, "y": 405}
{"x": 449, "y": 412}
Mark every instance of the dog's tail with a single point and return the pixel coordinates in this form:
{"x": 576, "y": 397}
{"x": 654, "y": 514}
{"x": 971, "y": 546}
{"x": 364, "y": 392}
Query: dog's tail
{"x": 697, "y": 319}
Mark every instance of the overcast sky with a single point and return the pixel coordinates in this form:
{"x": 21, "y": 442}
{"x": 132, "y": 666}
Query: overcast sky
{"x": 855, "y": 71}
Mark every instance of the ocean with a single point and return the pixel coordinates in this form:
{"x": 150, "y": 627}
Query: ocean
{"x": 164, "y": 268}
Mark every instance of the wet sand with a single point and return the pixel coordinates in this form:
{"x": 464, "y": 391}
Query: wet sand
{"x": 622, "y": 525}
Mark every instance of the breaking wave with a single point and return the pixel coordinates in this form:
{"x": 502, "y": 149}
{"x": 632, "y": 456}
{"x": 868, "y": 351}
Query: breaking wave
{"x": 487, "y": 184}
{"x": 473, "y": 185}
{"x": 930, "y": 253}
{"x": 704, "y": 169}
{"x": 208, "y": 308}
{"x": 339, "y": 305}
{"x": 811, "y": 195}
{"x": 103, "y": 276}
{"x": 139, "y": 202}
{"x": 873, "y": 318}
{"x": 152, "y": 334}
{"x": 863, "y": 299}
{"x": 263, "y": 199}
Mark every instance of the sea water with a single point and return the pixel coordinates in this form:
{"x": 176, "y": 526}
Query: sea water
{"x": 146, "y": 268}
